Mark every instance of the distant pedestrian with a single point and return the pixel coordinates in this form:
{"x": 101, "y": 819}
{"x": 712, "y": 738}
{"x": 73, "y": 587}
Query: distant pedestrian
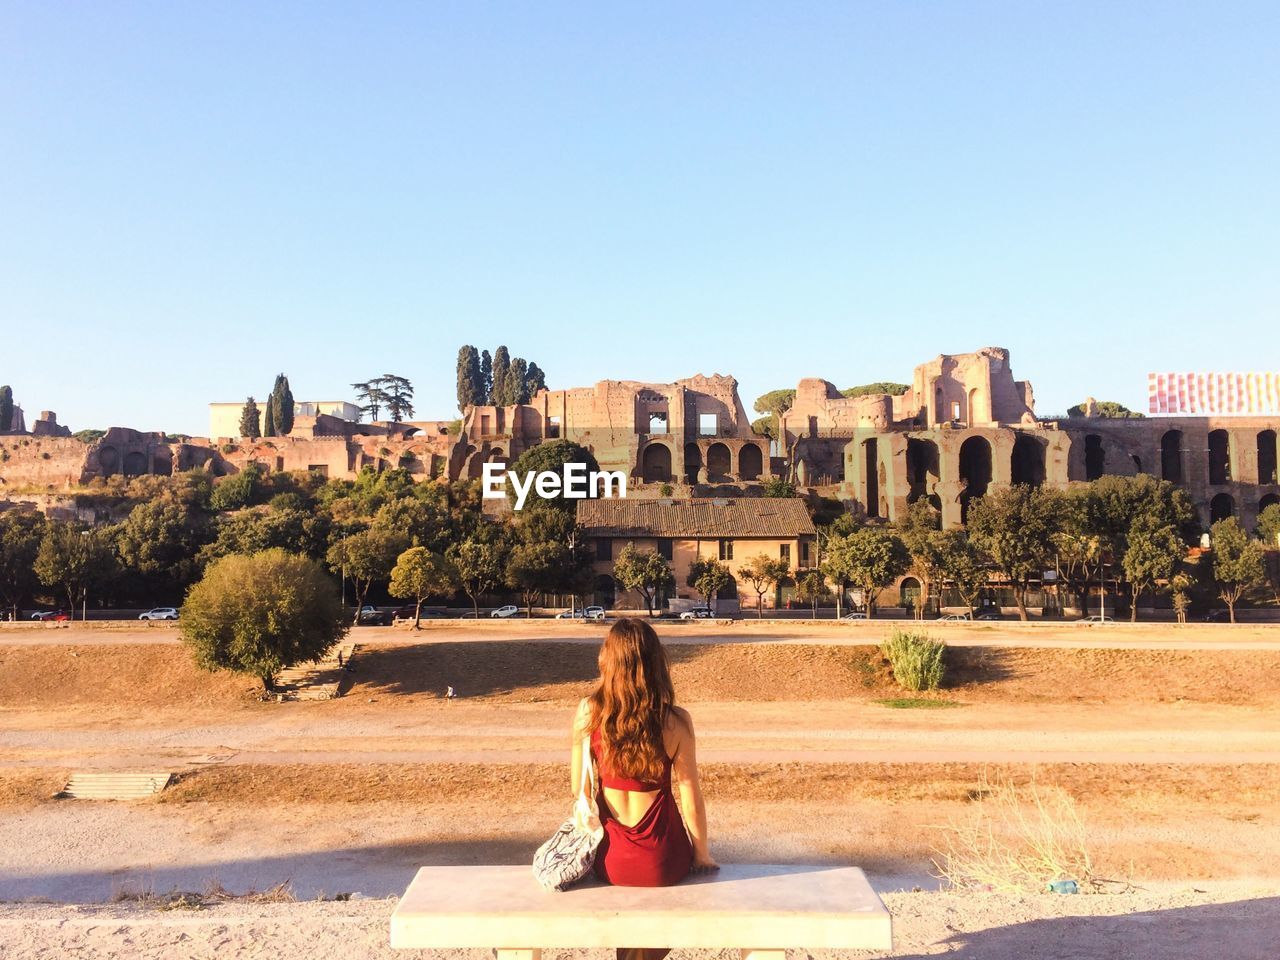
{"x": 450, "y": 694}
{"x": 339, "y": 659}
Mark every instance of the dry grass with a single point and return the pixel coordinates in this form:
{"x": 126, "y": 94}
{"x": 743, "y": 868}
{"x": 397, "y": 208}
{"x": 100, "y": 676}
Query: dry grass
{"x": 1017, "y": 838}
{"x": 143, "y": 893}
{"x": 20, "y": 786}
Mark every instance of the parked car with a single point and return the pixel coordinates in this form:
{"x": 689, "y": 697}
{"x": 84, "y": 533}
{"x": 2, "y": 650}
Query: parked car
{"x": 1097, "y": 618}
{"x": 406, "y": 613}
{"x": 954, "y": 617}
{"x": 988, "y": 615}
{"x": 855, "y": 615}
{"x": 583, "y": 613}
{"x": 371, "y": 616}
{"x": 697, "y": 613}
{"x": 510, "y": 610}
{"x": 50, "y": 615}
{"x": 159, "y": 613}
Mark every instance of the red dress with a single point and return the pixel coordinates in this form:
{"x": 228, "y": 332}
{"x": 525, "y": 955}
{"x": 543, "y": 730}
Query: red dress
{"x": 656, "y": 852}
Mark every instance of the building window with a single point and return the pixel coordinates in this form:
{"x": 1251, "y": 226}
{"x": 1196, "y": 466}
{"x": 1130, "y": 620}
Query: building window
{"x": 604, "y": 548}
{"x": 657, "y": 423}
{"x": 726, "y": 549}
{"x": 664, "y": 548}
{"x": 784, "y": 552}
{"x": 804, "y": 553}
{"x": 708, "y": 425}
{"x": 484, "y": 425}
{"x": 553, "y": 428}
{"x": 955, "y": 411}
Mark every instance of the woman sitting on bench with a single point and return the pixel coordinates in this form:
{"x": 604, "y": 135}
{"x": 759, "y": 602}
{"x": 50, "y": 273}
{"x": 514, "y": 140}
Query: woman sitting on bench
{"x": 639, "y": 738}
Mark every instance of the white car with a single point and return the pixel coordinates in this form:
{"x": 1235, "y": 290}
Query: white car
{"x": 1097, "y": 618}
{"x": 697, "y": 613}
{"x": 953, "y": 617}
{"x": 586, "y": 613}
{"x": 856, "y": 615}
{"x": 159, "y": 613}
{"x": 510, "y": 610}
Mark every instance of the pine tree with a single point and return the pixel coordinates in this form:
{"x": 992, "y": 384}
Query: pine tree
{"x": 486, "y": 375}
{"x": 249, "y": 425}
{"x": 469, "y": 386}
{"x": 6, "y": 408}
{"x": 399, "y": 393}
{"x": 501, "y": 367}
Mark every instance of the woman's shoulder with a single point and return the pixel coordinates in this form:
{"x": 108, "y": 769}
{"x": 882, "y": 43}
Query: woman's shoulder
{"x": 680, "y": 719}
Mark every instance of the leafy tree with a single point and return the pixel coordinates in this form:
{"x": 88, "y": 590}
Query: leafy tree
{"x": 1107, "y": 410}
{"x": 644, "y": 571}
{"x": 1015, "y": 527}
{"x": 959, "y": 562}
{"x": 871, "y": 559}
{"x": 1153, "y": 554}
{"x": 774, "y": 404}
{"x": 20, "y": 536}
{"x": 499, "y": 395}
{"x": 1181, "y": 585}
{"x": 549, "y": 556}
{"x": 763, "y": 573}
{"x": 532, "y": 569}
{"x": 875, "y": 389}
{"x": 552, "y": 456}
{"x": 517, "y": 383}
{"x": 1237, "y": 562}
{"x": 534, "y": 380}
{"x": 708, "y": 576}
{"x": 6, "y": 408}
{"x": 366, "y": 556}
{"x": 76, "y": 559}
{"x": 371, "y": 397}
{"x": 916, "y": 528}
{"x": 766, "y": 426}
{"x": 262, "y": 613}
{"x": 250, "y": 422}
{"x": 160, "y": 540}
{"x": 1078, "y": 543}
{"x": 418, "y": 574}
{"x": 778, "y": 488}
{"x": 297, "y": 529}
{"x": 486, "y": 376}
{"x": 239, "y": 489}
{"x": 480, "y": 563}
{"x": 425, "y": 522}
{"x": 1268, "y": 532}
{"x": 89, "y": 436}
{"x": 399, "y": 394}
{"x": 811, "y": 587}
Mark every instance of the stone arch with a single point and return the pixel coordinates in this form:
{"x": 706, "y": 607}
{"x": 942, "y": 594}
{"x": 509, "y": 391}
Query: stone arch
{"x": 1267, "y": 456}
{"x": 909, "y": 592}
{"x": 109, "y": 460}
{"x": 970, "y": 402}
{"x": 655, "y": 463}
{"x": 719, "y": 463}
{"x": 750, "y": 462}
{"x": 692, "y": 462}
{"x": 871, "y": 463}
{"x": 1270, "y": 500}
{"x": 975, "y": 471}
{"x": 1171, "y": 456}
{"x": 135, "y": 464}
{"x": 1219, "y": 457}
{"x": 1026, "y": 463}
{"x": 1221, "y": 507}
{"x": 1095, "y": 457}
{"x": 922, "y": 467}
{"x": 496, "y": 455}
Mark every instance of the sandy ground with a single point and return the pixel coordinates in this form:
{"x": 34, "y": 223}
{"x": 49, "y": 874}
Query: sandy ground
{"x": 1168, "y": 739}
{"x": 1238, "y": 922}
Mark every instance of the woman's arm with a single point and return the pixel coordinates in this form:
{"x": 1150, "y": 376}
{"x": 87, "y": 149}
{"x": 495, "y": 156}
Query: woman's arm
{"x": 581, "y": 722}
{"x": 684, "y": 767}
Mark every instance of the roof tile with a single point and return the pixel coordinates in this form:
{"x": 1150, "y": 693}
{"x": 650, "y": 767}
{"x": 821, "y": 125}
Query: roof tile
{"x": 700, "y": 517}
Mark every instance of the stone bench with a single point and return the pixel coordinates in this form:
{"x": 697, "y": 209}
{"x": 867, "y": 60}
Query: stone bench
{"x": 758, "y": 909}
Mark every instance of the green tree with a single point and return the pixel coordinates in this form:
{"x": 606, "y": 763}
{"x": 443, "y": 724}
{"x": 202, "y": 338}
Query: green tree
{"x": 20, "y": 536}
{"x": 959, "y": 563}
{"x": 535, "y": 380}
{"x": 1153, "y": 554}
{"x": 486, "y": 376}
{"x": 876, "y": 389}
{"x": 238, "y": 490}
{"x": 777, "y": 488}
{"x": 549, "y": 556}
{"x": 774, "y": 404}
{"x": 811, "y": 587}
{"x": 1078, "y": 544}
{"x": 269, "y": 415}
{"x": 262, "y": 613}
{"x": 1107, "y": 410}
{"x": 870, "y": 559}
{"x": 1237, "y": 562}
{"x": 498, "y": 395}
{"x": 708, "y": 576}
{"x": 764, "y": 573}
{"x": 365, "y": 556}
{"x": 160, "y": 540}
{"x": 1268, "y": 532}
{"x": 418, "y": 574}
{"x": 250, "y": 421}
{"x": 399, "y": 394}
{"x": 644, "y": 571}
{"x": 1180, "y": 586}
{"x": 916, "y": 528}
{"x": 551, "y": 456}
{"x": 371, "y": 397}
{"x": 75, "y": 558}
{"x": 480, "y": 563}
{"x": 280, "y": 408}
{"x": 517, "y": 382}
{"x": 1015, "y": 528}
{"x": 6, "y": 408}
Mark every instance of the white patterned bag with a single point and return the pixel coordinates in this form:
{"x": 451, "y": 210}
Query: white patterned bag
{"x": 571, "y": 852}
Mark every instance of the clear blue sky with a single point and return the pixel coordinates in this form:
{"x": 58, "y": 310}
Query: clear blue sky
{"x": 196, "y": 196}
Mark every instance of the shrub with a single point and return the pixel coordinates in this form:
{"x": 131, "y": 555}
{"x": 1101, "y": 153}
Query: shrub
{"x": 916, "y": 660}
{"x": 666, "y": 490}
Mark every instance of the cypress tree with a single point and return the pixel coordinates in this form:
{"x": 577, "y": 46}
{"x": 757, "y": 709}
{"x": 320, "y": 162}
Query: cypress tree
{"x": 535, "y": 379}
{"x": 269, "y": 416}
{"x": 517, "y": 381}
{"x": 6, "y": 408}
{"x": 284, "y": 406}
{"x": 469, "y": 394}
{"x": 501, "y": 368}
{"x": 486, "y": 375}
{"x": 249, "y": 426}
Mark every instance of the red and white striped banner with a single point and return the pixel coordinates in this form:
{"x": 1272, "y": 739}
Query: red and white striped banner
{"x": 1222, "y": 394}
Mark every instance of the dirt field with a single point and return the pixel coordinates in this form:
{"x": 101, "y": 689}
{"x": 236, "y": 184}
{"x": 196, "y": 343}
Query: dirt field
{"x": 1169, "y": 748}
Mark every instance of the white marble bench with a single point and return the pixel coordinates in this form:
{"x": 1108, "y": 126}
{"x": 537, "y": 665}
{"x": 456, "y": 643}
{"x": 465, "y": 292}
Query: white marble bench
{"x": 758, "y": 909}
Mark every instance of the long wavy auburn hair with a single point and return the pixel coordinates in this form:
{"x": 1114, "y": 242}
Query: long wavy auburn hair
{"x": 631, "y": 705}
